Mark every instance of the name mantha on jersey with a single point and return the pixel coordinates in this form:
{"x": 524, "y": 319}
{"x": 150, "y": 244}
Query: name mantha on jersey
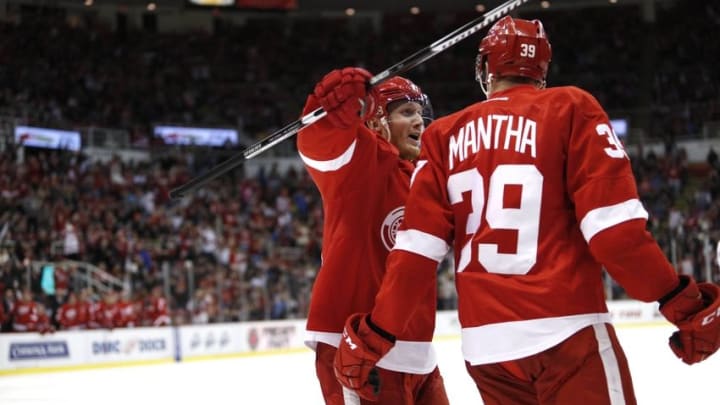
{"x": 513, "y": 171}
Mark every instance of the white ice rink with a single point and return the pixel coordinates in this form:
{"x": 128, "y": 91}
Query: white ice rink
{"x": 659, "y": 378}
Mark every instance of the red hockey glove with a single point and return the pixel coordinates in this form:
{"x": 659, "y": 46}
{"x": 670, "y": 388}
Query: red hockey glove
{"x": 695, "y": 310}
{"x": 343, "y": 94}
{"x": 363, "y": 344}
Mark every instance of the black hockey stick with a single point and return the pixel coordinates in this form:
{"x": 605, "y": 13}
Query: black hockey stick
{"x": 403, "y": 66}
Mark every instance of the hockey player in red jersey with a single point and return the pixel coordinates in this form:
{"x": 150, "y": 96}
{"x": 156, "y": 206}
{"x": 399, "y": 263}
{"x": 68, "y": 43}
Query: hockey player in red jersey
{"x": 361, "y": 157}
{"x": 157, "y": 312}
{"x": 43, "y": 324}
{"x": 24, "y": 313}
{"x": 73, "y": 314}
{"x": 535, "y": 193}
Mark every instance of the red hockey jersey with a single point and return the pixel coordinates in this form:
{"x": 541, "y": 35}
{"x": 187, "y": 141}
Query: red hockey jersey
{"x": 533, "y": 190}
{"x": 364, "y": 184}
{"x": 73, "y": 316}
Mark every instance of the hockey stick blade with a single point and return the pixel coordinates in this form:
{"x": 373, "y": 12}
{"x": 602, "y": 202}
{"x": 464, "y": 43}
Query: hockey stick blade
{"x": 403, "y": 66}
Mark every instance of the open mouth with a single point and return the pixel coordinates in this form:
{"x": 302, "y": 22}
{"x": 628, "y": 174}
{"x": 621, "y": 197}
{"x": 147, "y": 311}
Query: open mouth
{"x": 414, "y": 137}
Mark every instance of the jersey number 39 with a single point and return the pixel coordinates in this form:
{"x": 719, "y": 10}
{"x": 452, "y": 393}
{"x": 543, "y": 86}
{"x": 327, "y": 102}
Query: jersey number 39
{"x": 525, "y": 219}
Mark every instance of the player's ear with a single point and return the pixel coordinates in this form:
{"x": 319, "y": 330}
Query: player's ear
{"x": 379, "y": 125}
{"x": 374, "y": 124}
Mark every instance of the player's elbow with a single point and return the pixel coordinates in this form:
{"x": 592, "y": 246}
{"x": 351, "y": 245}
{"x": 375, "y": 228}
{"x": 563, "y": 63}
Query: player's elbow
{"x": 634, "y": 260}
{"x": 619, "y": 240}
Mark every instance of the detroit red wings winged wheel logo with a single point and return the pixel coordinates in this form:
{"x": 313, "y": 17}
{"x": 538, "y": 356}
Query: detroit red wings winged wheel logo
{"x": 390, "y": 226}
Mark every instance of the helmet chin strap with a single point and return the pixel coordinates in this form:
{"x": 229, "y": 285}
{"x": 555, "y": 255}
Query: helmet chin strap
{"x": 481, "y": 75}
{"x": 485, "y": 79}
{"x": 485, "y": 84}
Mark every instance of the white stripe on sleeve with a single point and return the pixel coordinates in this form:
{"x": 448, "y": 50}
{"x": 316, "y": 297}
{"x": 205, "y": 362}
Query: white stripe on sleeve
{"x": 421, "y": 243}
{"x": 603, "y": 218}
{"x": 332, "y": 164}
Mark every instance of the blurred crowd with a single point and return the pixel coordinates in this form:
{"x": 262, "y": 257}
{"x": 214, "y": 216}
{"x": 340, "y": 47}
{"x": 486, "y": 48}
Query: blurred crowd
{"x": 243, "y": 248}
{"x": 247, "y": 246}
{"x": 662, "y": 74}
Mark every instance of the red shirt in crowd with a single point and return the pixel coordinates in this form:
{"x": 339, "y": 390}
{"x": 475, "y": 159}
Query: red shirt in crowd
{"x": 104, "y": 314}
{"x": 73, "y": 314}
{"x": 157, "y": 312}
{"x": 24, "y": 315}
{"x": 126, "y": 315}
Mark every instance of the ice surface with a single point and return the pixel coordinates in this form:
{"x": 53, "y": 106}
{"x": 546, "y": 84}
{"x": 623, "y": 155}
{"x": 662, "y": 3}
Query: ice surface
{"x": 659, "y": 378}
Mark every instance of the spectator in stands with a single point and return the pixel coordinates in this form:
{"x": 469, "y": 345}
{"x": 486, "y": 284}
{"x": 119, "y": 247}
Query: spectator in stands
{"x": 3, "y": 316}
{"x": 157, "y": 313}
{"x": 42, "y": 323}
{"x": 25, "y": 313}
{"x": 105, "y": 313}
{"x": 73, "y": 314}
{"x": 62, "y": 276}
{"x": 8, "y": 303}
{"x": 127, "y": 316}
{"x": 71, "y": 242}
{"x": 712, "y": 159}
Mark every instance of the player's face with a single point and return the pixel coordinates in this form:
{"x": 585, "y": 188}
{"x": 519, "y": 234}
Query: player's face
{"x": 406, "y": 125}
